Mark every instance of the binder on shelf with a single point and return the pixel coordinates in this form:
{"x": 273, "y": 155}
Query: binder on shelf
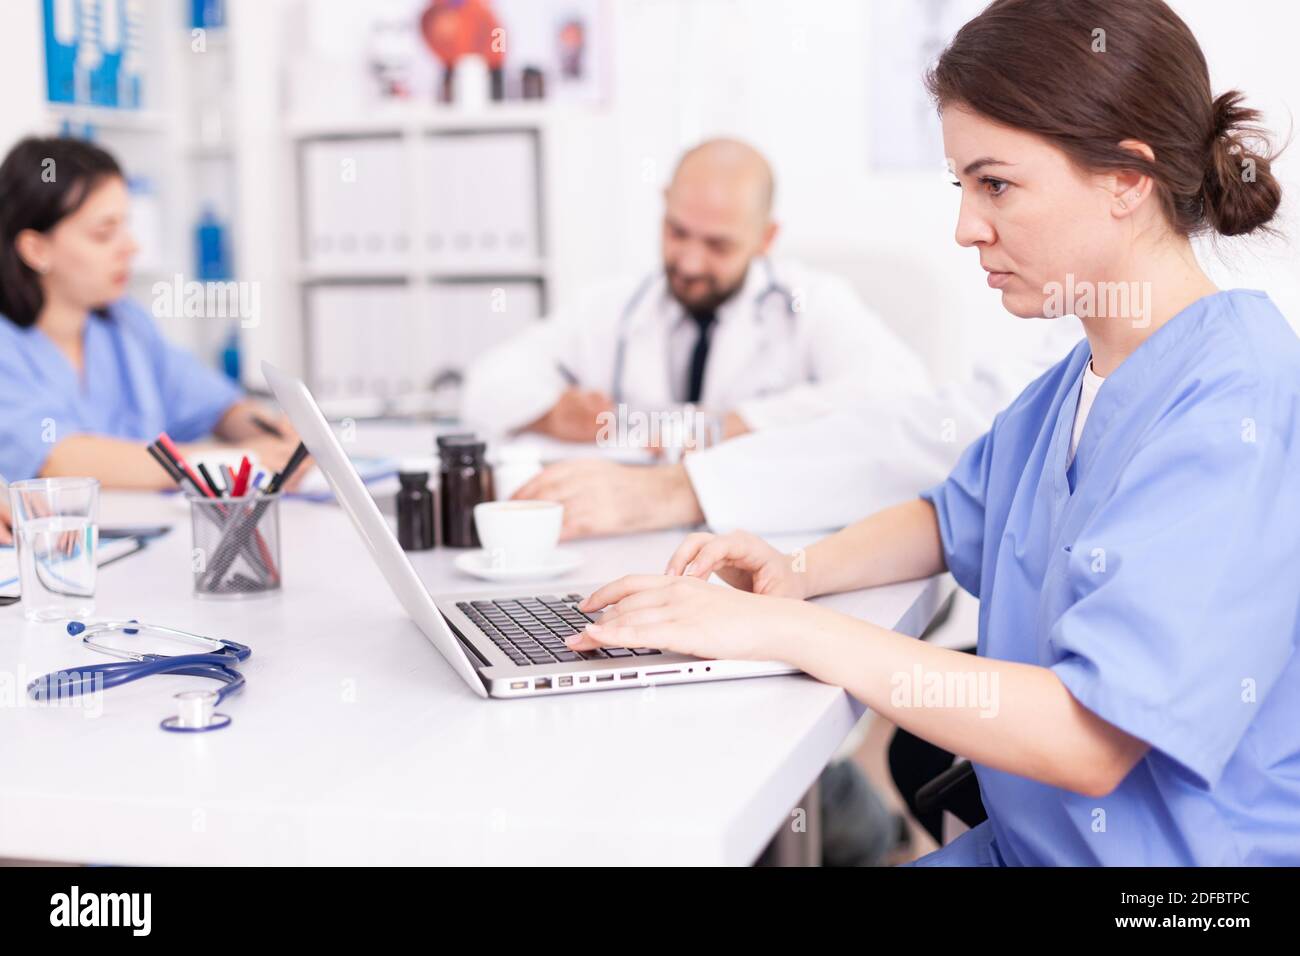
{"x": 94, "y": 53}
{"x": 104, "y": 79}
{"x": 386, "y": 341}
{"x": 355, "y": 205}
{"x": 484, "y": 314}
{"x": 359, "y": 340}
{"x": 61, "y": 32}
{"x": 482, "y": 207}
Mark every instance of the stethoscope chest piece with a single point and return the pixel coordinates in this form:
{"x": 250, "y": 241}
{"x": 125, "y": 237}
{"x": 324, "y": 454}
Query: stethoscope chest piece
{"x": 197, "y": 713}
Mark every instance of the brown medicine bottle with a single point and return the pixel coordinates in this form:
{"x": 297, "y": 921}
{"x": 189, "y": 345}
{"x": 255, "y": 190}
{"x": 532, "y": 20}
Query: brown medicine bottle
{"x": 466, "y": 480}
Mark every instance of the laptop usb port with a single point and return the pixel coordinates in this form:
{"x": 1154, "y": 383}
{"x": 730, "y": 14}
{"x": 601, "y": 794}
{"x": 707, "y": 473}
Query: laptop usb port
{"x": 566, "y": 682}
{"x": 519, "y": 685}
{"x": 542, "y": 683}
{"x": 583, "y": 680}
{"x": 627, "y": 675}
{"x": 602, "y": 678}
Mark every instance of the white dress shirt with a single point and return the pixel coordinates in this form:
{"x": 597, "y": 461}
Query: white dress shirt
{"x": 790, "y": 346}
{"x": 886, "y": 447}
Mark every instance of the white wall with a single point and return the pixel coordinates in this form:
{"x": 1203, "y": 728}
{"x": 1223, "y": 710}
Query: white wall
{"x": 793, "y": 78}
{"x": 22, "y": 72}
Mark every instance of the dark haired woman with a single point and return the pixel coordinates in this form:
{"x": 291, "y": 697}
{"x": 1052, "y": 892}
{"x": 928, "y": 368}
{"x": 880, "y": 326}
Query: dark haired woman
{"x": 86, "y": 379}
{"x": 1130, "y": 524}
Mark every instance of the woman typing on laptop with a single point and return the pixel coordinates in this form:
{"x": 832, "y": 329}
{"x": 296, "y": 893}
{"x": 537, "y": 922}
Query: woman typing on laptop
{"x": 86, "y": 379}
{"x": 1129, "y": 524}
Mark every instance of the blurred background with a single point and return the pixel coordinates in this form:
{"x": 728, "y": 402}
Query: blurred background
{"x": 405, "y": 182}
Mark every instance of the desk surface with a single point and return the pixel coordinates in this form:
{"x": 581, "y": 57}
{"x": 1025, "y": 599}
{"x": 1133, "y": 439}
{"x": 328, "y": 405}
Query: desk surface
{"x": 353, "y": 742}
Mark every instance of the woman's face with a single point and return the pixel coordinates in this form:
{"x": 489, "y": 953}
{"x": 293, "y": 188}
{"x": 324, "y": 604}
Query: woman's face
{"x": 87, "y": 255}
{"x": 1034, "y": 217}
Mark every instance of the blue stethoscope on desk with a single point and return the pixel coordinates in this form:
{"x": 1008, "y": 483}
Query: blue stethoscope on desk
{"x": 773, "y": 287}
{"x": 197, "y": 707}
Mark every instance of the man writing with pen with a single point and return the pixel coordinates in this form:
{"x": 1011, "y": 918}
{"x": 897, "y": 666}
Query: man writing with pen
{"x": 754, "y": 341}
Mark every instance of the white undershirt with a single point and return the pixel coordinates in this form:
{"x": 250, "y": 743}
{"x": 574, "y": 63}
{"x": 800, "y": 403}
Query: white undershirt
{"x": 1087, "y": 394}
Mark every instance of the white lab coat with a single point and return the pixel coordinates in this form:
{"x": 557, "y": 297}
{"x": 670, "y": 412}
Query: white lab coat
{"x": 887, "y": 448}
{"x": 776, "y": 357}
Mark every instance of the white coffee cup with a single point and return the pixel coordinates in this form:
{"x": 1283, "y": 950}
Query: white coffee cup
{"x": 512, "y": 468}
{"x": 518, "y": 534}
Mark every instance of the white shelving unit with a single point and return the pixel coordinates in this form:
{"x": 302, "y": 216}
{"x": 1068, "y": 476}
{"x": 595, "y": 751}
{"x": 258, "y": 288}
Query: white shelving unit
{"x": 257, "y": 153}
{"x": 103, "y": 117}
{"x": 267, "y": 222}
{"x": 423, "y": 275}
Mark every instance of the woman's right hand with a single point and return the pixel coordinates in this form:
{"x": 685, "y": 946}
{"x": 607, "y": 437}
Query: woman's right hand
{"x": 273, "y": 454}
{"x": 743, "y": 560}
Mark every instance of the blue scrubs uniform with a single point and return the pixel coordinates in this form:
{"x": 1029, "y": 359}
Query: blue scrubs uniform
{"x": 1159, "y": 578}
{"x": 134, "y": 385}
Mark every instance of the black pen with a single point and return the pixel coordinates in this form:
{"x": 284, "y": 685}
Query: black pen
{"x": 207, "y": 476}
{"x": 295, "y": 460}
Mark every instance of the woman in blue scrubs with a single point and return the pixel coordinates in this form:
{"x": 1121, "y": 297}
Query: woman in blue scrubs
{"x": 1130, "y": 524}
{"x": 86, "y": 379}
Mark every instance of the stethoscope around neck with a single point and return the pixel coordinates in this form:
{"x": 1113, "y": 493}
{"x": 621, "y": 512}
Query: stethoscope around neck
{"x": 773, "y": 287}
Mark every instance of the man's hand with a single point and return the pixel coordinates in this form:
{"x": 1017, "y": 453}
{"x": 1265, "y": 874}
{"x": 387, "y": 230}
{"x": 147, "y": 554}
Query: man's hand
{"x": 6, "y": 535}
{"x": 574, "y": 416}
{"x": 603, "y": 497}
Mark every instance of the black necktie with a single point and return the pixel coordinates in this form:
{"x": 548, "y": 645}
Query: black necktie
{"x": 700, "y": 357}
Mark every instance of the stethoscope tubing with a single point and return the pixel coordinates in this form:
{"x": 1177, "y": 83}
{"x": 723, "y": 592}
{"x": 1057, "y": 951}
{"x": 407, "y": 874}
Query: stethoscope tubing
{"x": 620, "y": 348}
{"x": 79, "y": 680}
{"x": 219, "y": 663}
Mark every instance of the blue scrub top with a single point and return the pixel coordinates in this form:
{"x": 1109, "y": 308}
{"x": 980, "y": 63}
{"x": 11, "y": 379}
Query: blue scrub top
{"x": 1159, "y": 578}
{"x": 135, "y": 384}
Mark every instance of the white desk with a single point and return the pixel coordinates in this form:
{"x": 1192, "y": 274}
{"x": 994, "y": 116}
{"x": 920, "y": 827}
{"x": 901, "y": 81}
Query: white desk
{"x": 355, "y": 743}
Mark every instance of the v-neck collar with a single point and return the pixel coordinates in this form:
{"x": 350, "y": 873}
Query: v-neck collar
{"x": 1117, "y": 390}
{"x": 57, "y": 362}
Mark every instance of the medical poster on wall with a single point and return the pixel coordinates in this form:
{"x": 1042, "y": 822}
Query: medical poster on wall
{"x": 906, "y": 38}
{"x": 512, "y": 49}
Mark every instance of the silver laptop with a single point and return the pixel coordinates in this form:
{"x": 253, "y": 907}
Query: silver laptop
{"x": 505, "y": 643}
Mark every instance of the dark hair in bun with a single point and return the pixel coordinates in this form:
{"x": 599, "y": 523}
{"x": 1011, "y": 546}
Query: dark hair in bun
{"x": 1240, "y": 194}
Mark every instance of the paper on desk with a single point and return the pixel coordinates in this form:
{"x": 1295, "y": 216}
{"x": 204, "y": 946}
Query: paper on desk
{"x": 314, "y": 486}
{"x": 550, "y": 449}
{"x": 107, "y": 551}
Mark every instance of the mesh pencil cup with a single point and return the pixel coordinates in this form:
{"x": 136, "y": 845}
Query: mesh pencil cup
{"x": 236, "y": 546}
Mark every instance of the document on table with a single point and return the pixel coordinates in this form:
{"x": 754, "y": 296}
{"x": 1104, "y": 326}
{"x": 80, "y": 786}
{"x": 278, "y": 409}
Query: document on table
{"x": 109, "y": 551}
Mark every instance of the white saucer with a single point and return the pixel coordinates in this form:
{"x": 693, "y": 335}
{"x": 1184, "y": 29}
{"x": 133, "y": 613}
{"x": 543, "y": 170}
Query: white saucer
{"x": 479, "y": 564}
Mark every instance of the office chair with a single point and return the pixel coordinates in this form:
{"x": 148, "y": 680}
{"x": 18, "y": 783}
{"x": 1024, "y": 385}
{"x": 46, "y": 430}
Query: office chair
{"x": 954, "y": 789}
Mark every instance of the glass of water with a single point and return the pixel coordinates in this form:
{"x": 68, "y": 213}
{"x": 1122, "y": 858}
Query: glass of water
{"x": 55, "y": 534}
{"x": 688, "y": 428}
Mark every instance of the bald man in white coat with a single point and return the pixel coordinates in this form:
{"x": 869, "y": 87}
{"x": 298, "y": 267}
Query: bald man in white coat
{"x": 723, "y": 327}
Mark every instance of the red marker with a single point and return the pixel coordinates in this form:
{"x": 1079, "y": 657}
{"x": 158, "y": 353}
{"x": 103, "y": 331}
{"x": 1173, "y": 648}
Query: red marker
{"x": 170, "y": 448}
{"x": 241, "y": 479}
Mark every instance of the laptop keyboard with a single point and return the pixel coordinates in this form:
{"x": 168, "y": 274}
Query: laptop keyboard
{"x": 531, "y": 630}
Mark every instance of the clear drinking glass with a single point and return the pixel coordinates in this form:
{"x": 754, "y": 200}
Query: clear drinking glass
{"x": 56, "y": 539}
{"x": 688, "y": 428}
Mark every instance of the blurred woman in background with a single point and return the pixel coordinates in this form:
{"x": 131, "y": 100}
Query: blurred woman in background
{"x": 86, "y": 378}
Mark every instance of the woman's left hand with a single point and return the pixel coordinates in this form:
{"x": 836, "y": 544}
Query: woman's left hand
{"x": 691, "y": 616}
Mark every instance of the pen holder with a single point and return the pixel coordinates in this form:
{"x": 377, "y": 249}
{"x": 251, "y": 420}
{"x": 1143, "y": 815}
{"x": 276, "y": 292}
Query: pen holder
{"x": 236, "y": 546}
